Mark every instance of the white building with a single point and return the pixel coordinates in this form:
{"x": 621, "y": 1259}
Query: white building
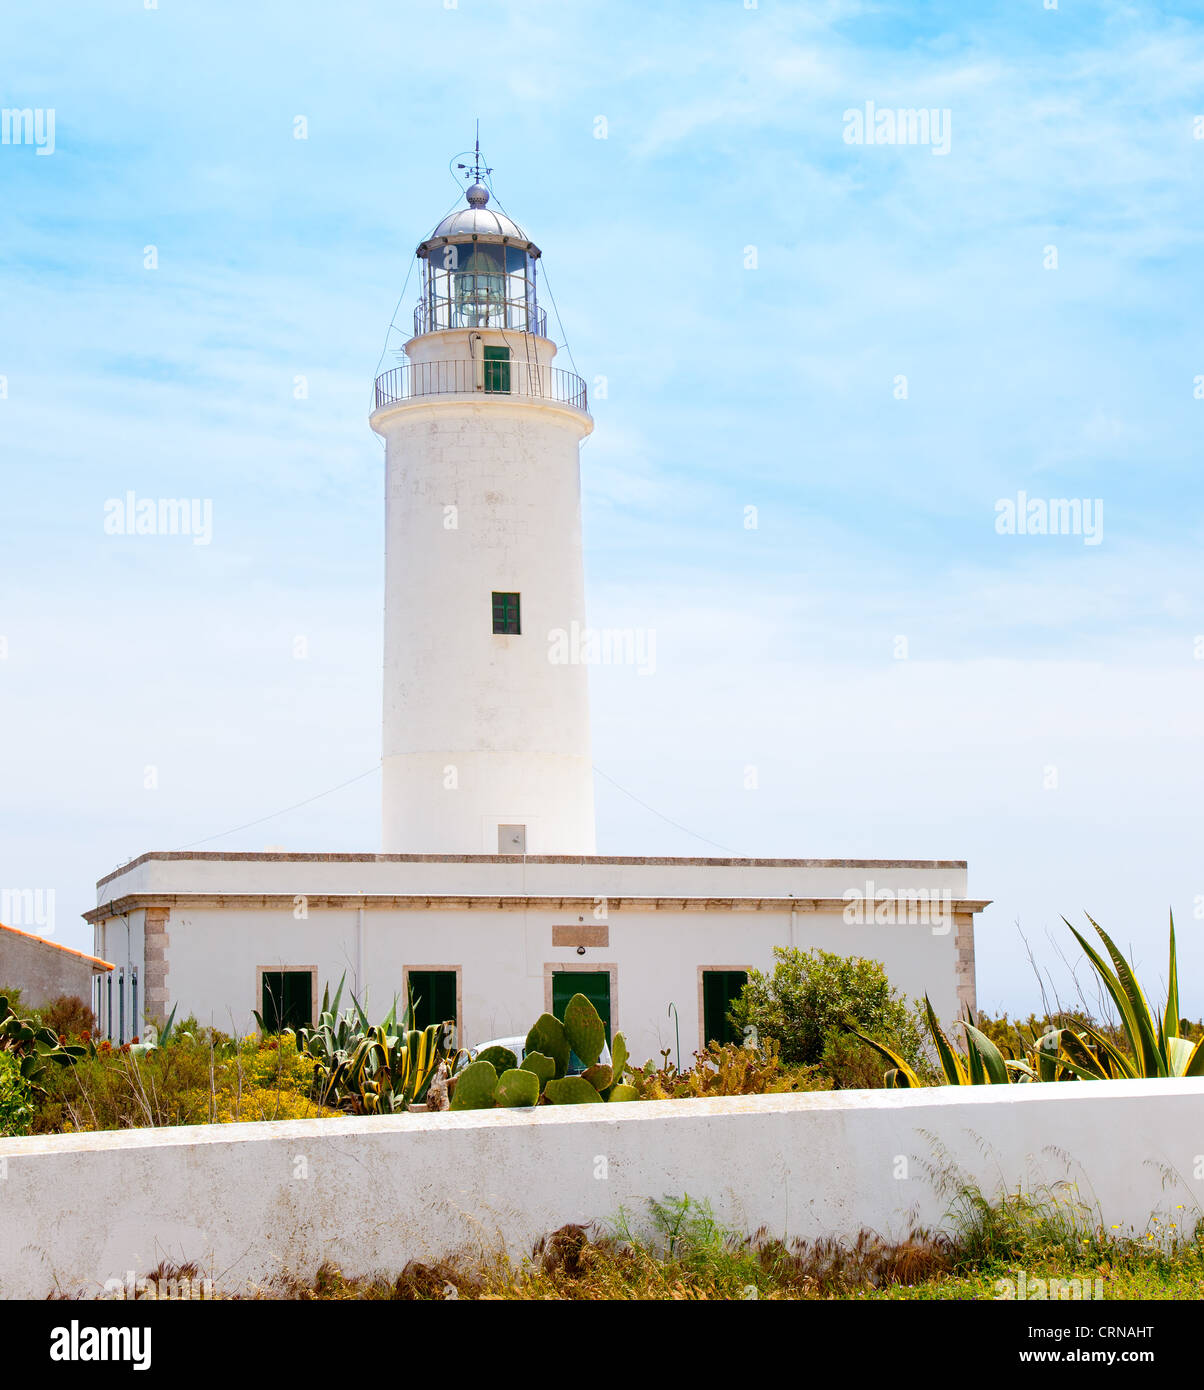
{"x": 490, "y": 900}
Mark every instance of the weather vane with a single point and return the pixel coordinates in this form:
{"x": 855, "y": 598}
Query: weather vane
{"x": 477, "y": 169}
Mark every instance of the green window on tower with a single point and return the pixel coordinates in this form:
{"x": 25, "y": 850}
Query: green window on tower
{"x": 497, "y": 369}
{"x": 505, "y": 614}
{"x": 594, "y": 984}
{"x": 434, "y": 996}
{"x": 287, "y": 1000}
{"x": 719, "y": 989}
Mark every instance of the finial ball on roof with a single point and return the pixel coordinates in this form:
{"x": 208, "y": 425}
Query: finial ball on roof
{"x": 477, "y": 195}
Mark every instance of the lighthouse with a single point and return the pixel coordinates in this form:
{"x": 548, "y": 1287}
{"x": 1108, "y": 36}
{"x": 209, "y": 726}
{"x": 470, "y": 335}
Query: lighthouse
{"x": 490, "y": 904}
{"x": 486, "y": 746}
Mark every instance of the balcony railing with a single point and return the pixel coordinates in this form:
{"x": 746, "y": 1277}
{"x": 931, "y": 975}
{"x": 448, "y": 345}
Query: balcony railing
{"x": 488, "y": 378}
{"x": 444, "y": 314}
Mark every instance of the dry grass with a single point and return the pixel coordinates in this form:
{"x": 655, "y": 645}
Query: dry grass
{"x": 684, "y": 1254}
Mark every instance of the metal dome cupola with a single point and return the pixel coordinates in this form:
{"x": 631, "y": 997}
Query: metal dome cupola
{"x": 479, "y": 272}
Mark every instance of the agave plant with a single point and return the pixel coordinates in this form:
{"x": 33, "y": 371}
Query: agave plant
{"x": 982, "y": 1065}
{"x": 390, "y": 1071}
{"x": 1067, "y": 1054}
{"x": 1155, "y": 1047}
{"x": 153, "y": 1037}
{"x": 378, "y": 1069}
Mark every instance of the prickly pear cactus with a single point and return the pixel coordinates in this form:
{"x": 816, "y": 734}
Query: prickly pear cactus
{"x": 475, "y": 1086}
{"x": 618, "y": 1057}
{"x": 586, "y": 1033}
{"x": 548, "y": 1036}
{"x": 570, "y": 1090}
{"x": 501, "y": 1058}
{"x": 623, "y": 1092}
{"x": 542, "y": 1066}
{"x": 599, "y": 1077}
{"x": 517, "y": 1087}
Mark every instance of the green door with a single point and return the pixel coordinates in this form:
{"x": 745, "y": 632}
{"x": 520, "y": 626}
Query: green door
{"x": 719, "y": 988}
{"x": 595, "y": 985}
{"x": 287, "y": 1000}
{"x": 497, "y": 369}
{"x": 434, "y": 996}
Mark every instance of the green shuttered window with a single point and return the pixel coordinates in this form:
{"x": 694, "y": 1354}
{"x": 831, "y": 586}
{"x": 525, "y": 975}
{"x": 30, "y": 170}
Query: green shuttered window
{"x": 506, "y": 618}
{"x": 287, "y": 999}
{"x": 719, "y": 988}
{"x": 434, "y": 996}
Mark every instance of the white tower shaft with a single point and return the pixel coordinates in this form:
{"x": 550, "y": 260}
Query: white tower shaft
{"x": 486, "y": 739}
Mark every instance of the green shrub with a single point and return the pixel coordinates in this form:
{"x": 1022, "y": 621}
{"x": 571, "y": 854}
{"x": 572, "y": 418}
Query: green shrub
{"x": 200, "y": 1032}
{"x": 188, "y": 1081}
{"x": 16, "y": 1098}
{"x": 815, "y": 995}
{"x": 13, "y": 994}
{"x": 852, "y": 1064}
{"x": 69, "y": 1017}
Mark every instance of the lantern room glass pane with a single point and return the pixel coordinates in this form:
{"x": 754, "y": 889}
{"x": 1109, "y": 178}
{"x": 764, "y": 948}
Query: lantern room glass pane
{"x": 533, "y": 324}
{"x": 479, "y": 285}
{"x": 481, "y": 258}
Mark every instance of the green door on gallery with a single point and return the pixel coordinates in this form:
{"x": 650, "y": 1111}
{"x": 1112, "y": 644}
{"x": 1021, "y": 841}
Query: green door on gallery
{"x": 497, "y": 369}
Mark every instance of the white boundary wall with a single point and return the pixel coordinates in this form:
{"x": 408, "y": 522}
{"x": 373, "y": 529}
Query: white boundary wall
{"x": 247, "y": 1201}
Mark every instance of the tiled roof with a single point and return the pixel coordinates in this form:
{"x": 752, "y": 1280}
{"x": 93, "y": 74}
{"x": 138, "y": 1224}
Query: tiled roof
{"x": 95, "y": 961}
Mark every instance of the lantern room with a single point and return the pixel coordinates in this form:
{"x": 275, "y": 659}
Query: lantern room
{"x": 479, "y": 272}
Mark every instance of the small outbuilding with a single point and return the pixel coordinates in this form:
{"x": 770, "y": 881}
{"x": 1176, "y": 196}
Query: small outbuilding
{"x": 43, "y": 969}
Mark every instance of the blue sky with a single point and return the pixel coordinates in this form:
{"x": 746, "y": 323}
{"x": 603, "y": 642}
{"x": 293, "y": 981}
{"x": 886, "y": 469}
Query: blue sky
{"x": 726, "y": 387}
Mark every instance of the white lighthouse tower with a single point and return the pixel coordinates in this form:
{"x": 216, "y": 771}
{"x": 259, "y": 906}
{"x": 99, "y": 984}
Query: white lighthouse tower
{"x": 486, "y": 744}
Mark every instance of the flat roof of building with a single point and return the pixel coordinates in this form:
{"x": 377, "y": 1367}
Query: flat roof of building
{"x": 266, "y": 857}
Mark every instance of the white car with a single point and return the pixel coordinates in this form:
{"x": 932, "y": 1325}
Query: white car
{"x": 519, "y": 1047}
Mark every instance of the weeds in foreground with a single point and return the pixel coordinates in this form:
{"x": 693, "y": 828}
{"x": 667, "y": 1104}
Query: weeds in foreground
{"x": 682, "y": 1252}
